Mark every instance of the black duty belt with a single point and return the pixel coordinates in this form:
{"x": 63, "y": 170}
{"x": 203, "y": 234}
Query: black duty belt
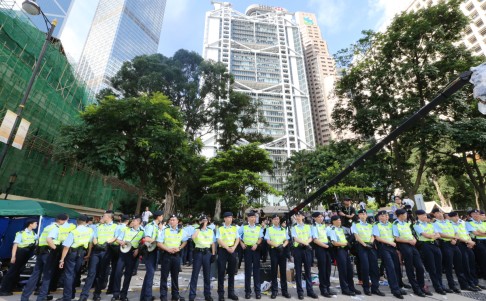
{"x": 202, "y": 250}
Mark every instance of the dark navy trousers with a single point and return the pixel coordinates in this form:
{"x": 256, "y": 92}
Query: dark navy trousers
{"x": 170, "y": 264}
{"x": 148, "y": 281}
{"x": 72, "y": 265}
{"x": 413, "y": 266}
{"x": 389, "y": 257}
{"x": 433, "y": 263}
{"x": 201, "y": 260}
{"x": 303, "y": 256}
{"x": 345, "y": 269}
{"x": 324, "y": 265}
{"x": 43, "y": 266}
{"x": 252, "y": 265}
{"x": 278, "y": 262}
{"x": 368, "y": 258}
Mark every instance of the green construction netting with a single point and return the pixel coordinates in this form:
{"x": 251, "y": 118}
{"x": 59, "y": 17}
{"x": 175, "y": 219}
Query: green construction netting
{"x": 55, "y": 100}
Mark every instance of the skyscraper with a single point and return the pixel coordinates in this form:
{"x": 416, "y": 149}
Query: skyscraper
{"x": 121, "y": 30}
{"x": 321, "y": 74}
{"x": 262, "y": 48}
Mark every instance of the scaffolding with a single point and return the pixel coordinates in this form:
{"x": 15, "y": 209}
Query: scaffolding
{"x": 56, "y": 99}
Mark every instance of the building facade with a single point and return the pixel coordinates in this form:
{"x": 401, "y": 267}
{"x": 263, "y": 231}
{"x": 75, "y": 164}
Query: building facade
{"x": 263, "y": 50}
{"x": 321, "y": 74}
{"x": 53, "y": 9}
{"x": 121, "y": 30}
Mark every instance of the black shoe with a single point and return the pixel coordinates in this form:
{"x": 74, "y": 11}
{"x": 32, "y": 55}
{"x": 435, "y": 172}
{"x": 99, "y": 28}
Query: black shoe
{"x": 49, "y": 297}
{"x": 233, "y": 297}
{"x": 5, "y": 294}
{"x": 109, "y": 292}
{"x": 406, "y": 286}
{"x": 286, "y": 295}
{"x": 326, "y": 294}
{"x": 115, "y": 298}
{"x": 457, "y": 291}
{"x": 247, "y": 296}
{"x": 481, "y": 287}
{"x": 348, "y": 293}
{"x": 178, "y": 299}
{"x": 313, "y": 296}
{"x": 367, "y": 293}
{"x": 404, "y": 293}
{"x": 420, "y": 294}
{"x": 301, "y": 297}
{"x": 472, "y": 289}
{"x": 398, "y": 295}
{"x": 258, "y": 296}
{"x": 331, "y": 292}
{"x": 124, "y": 299}
{"x": 378, "y": 293}
{"x": 357, "y": 292}
{"x": 273, "y": 296}
{"x": 449, "y": 291}
{"x": 427, "y": 293}
{"x": 36, "y": 293}
{"x": 440, "y": 292}
{"x": 220, "y": 298}
{"x": 83, "y": 299}
{"x": 209, "y": 298}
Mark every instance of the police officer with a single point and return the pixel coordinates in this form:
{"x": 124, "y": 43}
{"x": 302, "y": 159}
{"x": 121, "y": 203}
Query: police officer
{"x": 114, "y": 250}
{"x": 45, "y": 260}
{"x": 450, "y": 251}
{"x": 302, "y": 236}
{"x": 477, "y": 229}
{"x": 124, "y": 267}
{"x": 429, "y": 249}
{"x": 103, "y": 236}
{"x": 339, "y": 241}
{"x": 466, "y": 245}
{"x": 171, "y": 240}
{"x": 383, "y": 233}
{"x": 64, "y": 231}
{"x": 363, "y": 232}
{"x": 228, "y": 240}
{"x": 73, "y": 255}
{"x": 251, "y": 236}
{"x": 151, "y": 233}
{"x": 204, "y": 254}
{"x": 23, "y": 245}
{"x": 323, "y": 255}
{"x": 406, "y": 244}
{"x": 277, "y": 238}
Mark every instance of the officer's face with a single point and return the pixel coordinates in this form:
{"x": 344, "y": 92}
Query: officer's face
{"x": 298, "y": 218}
{"x": 252, "y": 219}
{"x": 173, "y": 222}
{"x": 136, "y": 222}
{"x": 319, "y": 219}
{"x": 403, "y": 217}
{"x": 422, "y": 218}
{"x": 228, "y": 220}
{"x": 276, "y": 221}
{"x": 363, "y": 216}
{"x": 61, "y": 222}
{"x": 455, "y": 219}
{"x": 383, "y": 218}
{"x": 33, "y": 225}
{"x": 337, "y": 222}
{"x": 439, "y": 215}
{"x": 107, "y": 217}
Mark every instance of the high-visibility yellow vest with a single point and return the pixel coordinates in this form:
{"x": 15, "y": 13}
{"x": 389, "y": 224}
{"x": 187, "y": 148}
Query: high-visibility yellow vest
{"x": 81, "y": 238}
{"x": 322, "y": 233}
{"x": 340, "y": 235}
{"x": 64, "y": 231}
{"x": 105, "y": 232}
{"x": 45, "y": 233}
{"x": 204, "y": 239}
{"x": 404, "y": 230}
{"x": 302, "y": 233}
{"x": 427, "y": 228}
{"x": 277, "y": 236}
{"x": 155, "y": 230}
{"x": 228, "y": 235}
{"x": 28, "y": 238}
{"x": 478, "y": 227}
{"x": 446, "y": 228}
{"x": 251, "y": 234}
{"x": 364, "y": 231}
{"x": 171, "y": 239}
{"x": 386, "y": 231}
{"x": 462, "y": 232}
{"x": 133, "y": 237}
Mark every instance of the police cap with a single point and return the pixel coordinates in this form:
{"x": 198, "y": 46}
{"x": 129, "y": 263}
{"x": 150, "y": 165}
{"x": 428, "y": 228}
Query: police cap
{"x": 362, "y": 211}
{"x": 435, "y": 210}
{"x": 62, "y": 217}
{"x": 228, "y": 214}
{"x": 420, "y": 212}
{"x": 316, "y": 214}
{"x": 382, "y": 212}
{"x": 82, "y": 218}
{"x": 251, "y": 213}
{"x": 158, "y": 213}
{"x": 452, "y": 214}
{"x": 400, "y": 212}
{"x": 334, "y": 218}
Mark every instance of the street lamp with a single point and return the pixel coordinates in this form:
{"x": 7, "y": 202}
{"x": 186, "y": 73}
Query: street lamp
{"x": 32, "y": 8}
{"x": 11, "y": 181}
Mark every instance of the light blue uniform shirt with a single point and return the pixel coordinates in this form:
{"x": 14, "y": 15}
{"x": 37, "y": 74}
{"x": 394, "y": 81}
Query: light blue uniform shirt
{"x": 438, "y": 229}
{"x": 376, "y": 231}
{"x": 395, "y": 228}
{"x": 267, "y": 234}
{"x": 315, "y": 232}
{"x": 161, "y": 236}
{"x": 18, "y": 236}
{"x": 70, "y": 239}
{"x": 149, "y": 229}
{"x": 241, "y": 232}
{"x": 301, "y": 226}
{"x": 470, "y": 228}
{"x": 119, "y": 229}
{"x": 332, "y": 233}
{"x": 101, "y": 225}
{"x": 354, "y": 229}
{"x": 211, "y": 226}
{"x": 419, "y": 229}
{"x": 54, "y": 233}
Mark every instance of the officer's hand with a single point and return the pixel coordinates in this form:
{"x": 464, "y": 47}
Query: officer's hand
{"x": 135, "y": 253}
{"x": 454, "y": 242}
{"x": 231, "y": 250}
{"x": 86, "y": 258}
{"x": 413, "y": 242}
{"x": 122, "y": 243}
{"x": 255, "y": 246}
{"x": 393, "y": 244}
{"x": 213, "y": 258}
{"x": 243, "y": 246}
{"x": 326, "y": 246}
{"x": 12, "y": 260}
{"x": 471, "y": 243}
{"x": 61, "y": 264}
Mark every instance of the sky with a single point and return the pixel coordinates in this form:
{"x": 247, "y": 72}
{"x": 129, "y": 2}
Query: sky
{"x": 341, "y": 21}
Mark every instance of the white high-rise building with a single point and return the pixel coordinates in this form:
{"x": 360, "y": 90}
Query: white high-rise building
{"x": 263, "y": 50}
{"x": 121, "y": 30}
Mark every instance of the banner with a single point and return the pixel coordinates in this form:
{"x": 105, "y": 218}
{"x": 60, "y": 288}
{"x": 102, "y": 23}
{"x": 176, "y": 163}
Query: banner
{"x": 21, "y": 134}
{"x": 7, "y": 126}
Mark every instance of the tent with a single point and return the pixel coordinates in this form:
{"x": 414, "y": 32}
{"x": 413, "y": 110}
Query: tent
{"x": 33, "y": 208}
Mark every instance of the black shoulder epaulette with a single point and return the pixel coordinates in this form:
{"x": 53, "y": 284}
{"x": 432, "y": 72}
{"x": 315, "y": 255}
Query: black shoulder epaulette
{"x": 395, "y": 222}
{"x": 333, "y": 227}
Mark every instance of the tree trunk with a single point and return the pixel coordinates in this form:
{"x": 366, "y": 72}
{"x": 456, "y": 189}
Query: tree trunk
{"x": 139, "y": 202}
{"x": 443, "y": 201}
{"x": 169, "y": 207}
{"x": 217, "y": 210}
{"x": 478, "y": 187}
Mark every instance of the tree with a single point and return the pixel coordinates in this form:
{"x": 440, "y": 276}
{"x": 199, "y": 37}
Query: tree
{"x": 391, "y": 75}
{"x": 141, "y": 139}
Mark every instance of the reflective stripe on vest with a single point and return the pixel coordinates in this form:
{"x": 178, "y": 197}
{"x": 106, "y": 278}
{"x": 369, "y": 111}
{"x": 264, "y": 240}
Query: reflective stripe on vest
{"x": 303, "y": 233}
{"x": 386, "y": 231}
{"x": 81, "y": 238}
{"x": 64, "y": 231}
{"x": 133, "y": 237}
{"x": 277, "y": 236}
{"x": 447, "y": 229}
{"x": 429, "y": 229}
{"x": 228, "y": 235}
{"x": 340, "y": 235}
{"x": 105, "y": 232}
{"x": 405, "y": 231}
{"x": 28, "y": 238}
{"x": 204, "y": 239}
{"x": 364, "y": 231}
{"x": 45, "y": 233}
{"x": 251, "y": 235}
{"x": 171, "y": 239}
{"x": 322, "y": 233}
{"x": 478, "y": 227}
{"x": 462, "y": 232}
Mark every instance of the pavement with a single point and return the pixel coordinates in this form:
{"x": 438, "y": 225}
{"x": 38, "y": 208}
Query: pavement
{"x": 184, "y": 278}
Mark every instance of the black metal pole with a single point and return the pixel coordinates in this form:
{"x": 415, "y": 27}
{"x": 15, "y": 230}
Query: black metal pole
{"x": 20, "y": 109}
{"x": 451, "y": 88}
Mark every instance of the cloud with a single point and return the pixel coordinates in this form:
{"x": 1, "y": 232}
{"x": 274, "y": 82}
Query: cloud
{"x": 386, "y": 10}
{"x": 330, "y": 13}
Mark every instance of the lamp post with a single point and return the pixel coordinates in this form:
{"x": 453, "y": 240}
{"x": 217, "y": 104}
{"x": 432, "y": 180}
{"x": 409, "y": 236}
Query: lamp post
{"x": 32, "y": 8}
{"x": 11, "y": 181}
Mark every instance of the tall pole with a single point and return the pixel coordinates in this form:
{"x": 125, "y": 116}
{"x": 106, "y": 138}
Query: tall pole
{"x": 21, "y": 107}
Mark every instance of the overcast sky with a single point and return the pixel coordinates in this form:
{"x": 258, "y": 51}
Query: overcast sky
{"x": 341, "y": 21}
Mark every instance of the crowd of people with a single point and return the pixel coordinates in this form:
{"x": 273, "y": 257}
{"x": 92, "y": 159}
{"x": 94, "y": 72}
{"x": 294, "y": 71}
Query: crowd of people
{"x": 434, "y": 242}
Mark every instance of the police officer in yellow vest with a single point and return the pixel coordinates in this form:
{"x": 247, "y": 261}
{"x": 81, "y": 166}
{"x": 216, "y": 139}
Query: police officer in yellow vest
{"x": 45, "y": 260}
{"x": 302, "y": 252}
{"x": 466, "y": 245}
{"x": 76, "y": 246}
{"x": 406, "y": 244}
{"x": 204, "y": 254}
{"x": 383, "y": 233}
{"x": 114, "y": 249}
{"x": 171, "y": 241}
{"x": 345, "y": 268}
{"x": 63, "y": 234}
{"x": 100, "y": 256}
{"x": 228, "y": 240}
{"x": 363, "y": 232}
{"x": 477, "y": 229}
{"x": 23, "y": 246}
{"x": 277, "y": 239}
{"x": 251, "y": 236}
{"x": 151, "y": 232}
{"x": 429, "y": 249}
{"x": 130, "y": 236}
{"x": 450, "y": 251}
{"x": 323, "y": 254}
